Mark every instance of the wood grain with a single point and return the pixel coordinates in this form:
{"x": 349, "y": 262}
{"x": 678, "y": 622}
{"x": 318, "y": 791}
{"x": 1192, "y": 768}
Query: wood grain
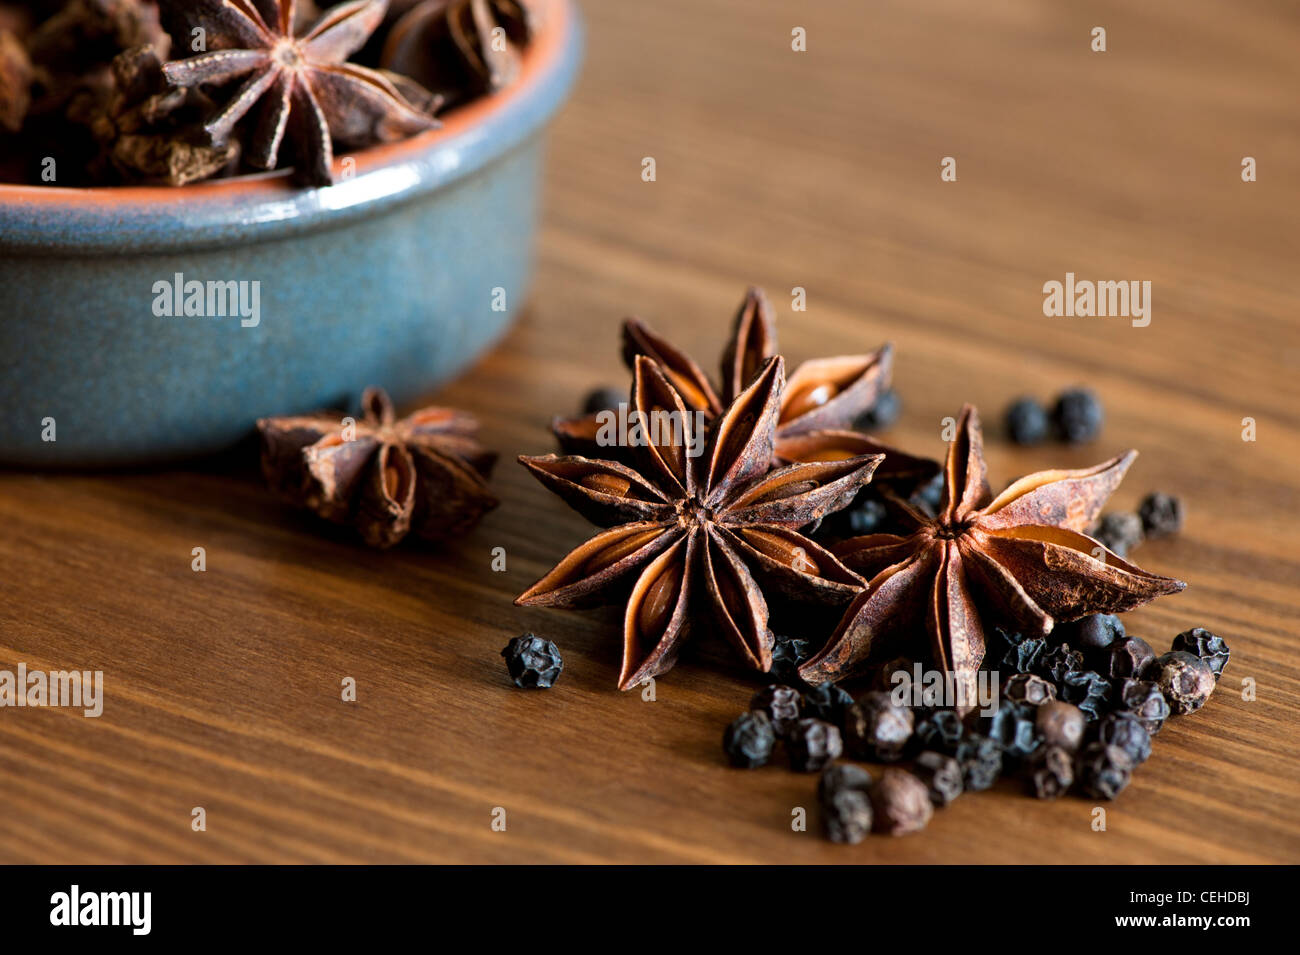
{"x": 784, "y": 169}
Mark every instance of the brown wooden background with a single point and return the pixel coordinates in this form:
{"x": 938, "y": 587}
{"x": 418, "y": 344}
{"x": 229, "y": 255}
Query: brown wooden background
{"x": 816, "y": 169}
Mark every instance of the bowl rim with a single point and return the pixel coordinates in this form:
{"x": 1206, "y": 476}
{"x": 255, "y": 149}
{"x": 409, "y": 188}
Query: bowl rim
{"x": 266, "y": 205}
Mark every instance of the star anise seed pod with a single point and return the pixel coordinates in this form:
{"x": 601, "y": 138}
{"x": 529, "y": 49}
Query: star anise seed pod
{"x": 1021, "y": 554}
{"x": 689, "y": 534}
{"x": 425, "y": 472}
{"x": 307, "y": 93}
{"x": 821, "y": 399}
{"x": 461, "y": 48}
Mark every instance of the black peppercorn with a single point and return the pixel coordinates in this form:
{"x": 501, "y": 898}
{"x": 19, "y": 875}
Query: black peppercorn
{"x": 788, "y": 653}
{"x": 847, "y": 816}
{"x": 900, "y": 803}
{"x": 1129, "y": 658}
{"x": 1059, "y": 661}
{"x": 940, "y": 730}
{"x": 1028, "y": 688}
{"x": 604, "y": 399}
{"x": 1143, "y": 699}
{"x": 749, "y": 739}
{"x": 1060, "y": 725}
{"x": 928, "y": 497}
{"x": 1127, "y": 732}
{"x": 882, "y": 414}
{"x": 1089, "y": 691}
{"x": 941, "y": 774}
{"x": 1104, "y": 770}
{"x": 1202, "y": 643}
{"x": 826, "y": 702}
{"x": 1027, "y": 422}
{"x": 1024, "y": 656}
{"x": 782, "y": 704}
{"x": 1012, "y": 726}
{"x": 1119, "y": 531}
{"x": 1162, "y": 514}
{"x": 867, "y": 516}
{"x": 981, "y": 761}
{"x": 1051, "y": 772}
{"x": 811, "y": 744}
{"x": 1077, "y": 416}
{"x": 839, "y": 776}
{"x": 875, "y": 727}
{"x": 1096, "y": 632}
{"x": 1185, "y": 680}
{"x": 533, "y": 662}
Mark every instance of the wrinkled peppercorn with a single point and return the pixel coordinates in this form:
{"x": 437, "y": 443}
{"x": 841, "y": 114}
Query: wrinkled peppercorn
{"x": 886, "y": 678}
{"x": 1097, "y": 632}
{"x": 1127, "y": 732}
{"x": 1077, "y": 416}
{"x": 826, "y": 702}
{"x": 1060, "y": 725}
{"x": 847, "y": 816}
{"x": 1119, "y": 531}
{"x": 882, "y": 414}
{"x": 1027, "y": 422}
{"x": 1051, "y": 772}
{"x": 875, "y": 727}
{"x": 604, "y": 399}
{"x": 788, "y": 653}
{"x": 1089, "y": 691}
{"x": 928, "y": 498}
{"x": 1013, "y": 727}
{"x": 941, "y": 774}
{"x": 749, "y": 739}
{"x": 1104, "y": 770}
{"x": 782, "y": 704}
{"x": 811, "y": 744}
{"x": 533, "y": 662}
{"x": 900, "y": 803}
{"x": 1129, "y": 658}
{"x": 1028, "y": 688}
{"x": 839, "y": 776}
{"x": 1162, "y": 514}
{"x": 867, "y": 516}
{"x": 1056, "y": 663}
{"x": 1024, "y": 656}
{"x": 981, "y": 761}
{"x": 1143, "y": 699}
{"x": 1202, "y": 643}
{"x": 940, "y": 730}
{"x": 1185, "y": 680}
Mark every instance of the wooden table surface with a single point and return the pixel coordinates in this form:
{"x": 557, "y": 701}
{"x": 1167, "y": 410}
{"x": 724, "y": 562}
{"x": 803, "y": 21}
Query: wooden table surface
{"x": 820, "y": 170}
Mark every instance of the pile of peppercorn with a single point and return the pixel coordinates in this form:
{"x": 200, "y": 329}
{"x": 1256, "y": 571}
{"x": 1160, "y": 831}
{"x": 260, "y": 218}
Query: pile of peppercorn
{"x": 1077, "y": 711}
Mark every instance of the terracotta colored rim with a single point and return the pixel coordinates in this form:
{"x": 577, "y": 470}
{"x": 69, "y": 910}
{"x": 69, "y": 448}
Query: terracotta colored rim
{"x": 134, "y": 218}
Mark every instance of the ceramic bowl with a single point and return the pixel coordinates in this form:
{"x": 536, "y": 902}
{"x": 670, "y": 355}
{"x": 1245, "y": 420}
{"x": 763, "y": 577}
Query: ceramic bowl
{"x": 146, "y": 324}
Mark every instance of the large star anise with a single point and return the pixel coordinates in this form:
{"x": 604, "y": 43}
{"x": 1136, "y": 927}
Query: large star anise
{"x": 694, "y": 533}
{"x": 1021, "y": 554}
{"x": 386, "y": 477}
{"x": 308, "y": 94}
{"x": 461, "y": 48}
{"x": 821, "y": 400}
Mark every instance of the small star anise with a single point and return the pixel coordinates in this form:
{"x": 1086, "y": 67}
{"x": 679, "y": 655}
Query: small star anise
{"x": 425, "y": 472}
{"x": 461, "y": 48}
{"x": 692, "y": 533}
{"x": 1021, "y": 554}
{"x": 821, "y": 400}
{"x": 308, "y": 94}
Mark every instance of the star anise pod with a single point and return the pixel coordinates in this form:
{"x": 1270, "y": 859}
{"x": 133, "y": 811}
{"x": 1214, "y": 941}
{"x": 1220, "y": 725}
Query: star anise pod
{"x": 15, "y": 82}
{"x": 306, "y": 93}
{"x": 693, "y": 534}
{"x": 461, "y": 48}
{"x": 818, "y": 406}
{"x": 1021, "y": 555}
{"x": 386, "y": 477}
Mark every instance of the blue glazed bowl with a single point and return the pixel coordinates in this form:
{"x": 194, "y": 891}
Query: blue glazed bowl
{"x": 146, "y": 324}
